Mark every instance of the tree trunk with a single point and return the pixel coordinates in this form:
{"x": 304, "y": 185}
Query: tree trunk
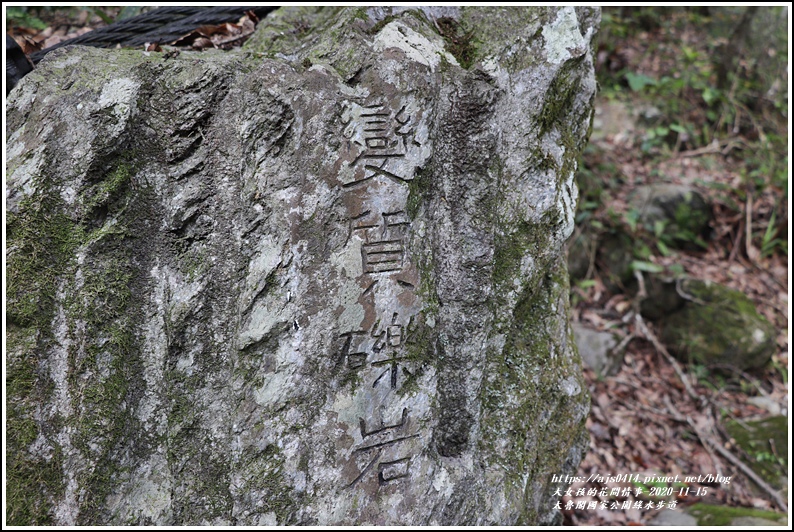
{"x": 731, "y": 52}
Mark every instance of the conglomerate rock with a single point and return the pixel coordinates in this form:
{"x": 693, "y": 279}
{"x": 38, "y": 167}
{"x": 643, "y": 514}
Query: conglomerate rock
{"x": 318, "y": 281}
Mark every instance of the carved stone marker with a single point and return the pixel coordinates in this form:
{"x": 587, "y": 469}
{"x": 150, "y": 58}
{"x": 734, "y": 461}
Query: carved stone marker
{"x": 319, "y": 281}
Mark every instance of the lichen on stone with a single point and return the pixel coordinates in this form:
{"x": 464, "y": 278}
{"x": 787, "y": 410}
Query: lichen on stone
{"x": 317, "y": 281}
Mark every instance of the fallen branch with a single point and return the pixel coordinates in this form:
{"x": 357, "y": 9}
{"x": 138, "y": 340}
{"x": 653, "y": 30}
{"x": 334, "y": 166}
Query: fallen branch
{"x": 623, "y": 343}
{"x": 689, "y": 297}
{"x": 716, "y": 146}
{"x": 752, "y": 475}
{"x": 709, "y": 442}
{"x": 661, "y": 349}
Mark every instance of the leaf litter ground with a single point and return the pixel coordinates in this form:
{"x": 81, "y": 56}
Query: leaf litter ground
{"x": 645, "y": 420}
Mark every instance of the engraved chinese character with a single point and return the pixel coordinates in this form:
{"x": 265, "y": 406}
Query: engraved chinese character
{"x": 379, "y": 348}
{"x": 381, "y": 136}
{"x": 383, "y": 249}
{"x": 390, "y": 338}
{"x": 384, "y": 446}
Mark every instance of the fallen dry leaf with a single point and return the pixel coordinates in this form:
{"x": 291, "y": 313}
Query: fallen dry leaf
{"x": 222, "y": 36}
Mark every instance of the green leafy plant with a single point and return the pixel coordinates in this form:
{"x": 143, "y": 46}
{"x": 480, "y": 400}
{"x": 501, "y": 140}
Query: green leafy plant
{"x": 649, "y": 267}
{"x": 21, "y": 16}
{"x": 632, "y": 219}
{"x": 676, "y": 269}
{"x": 766, "y": 456}
{"x": 769, "y": 242}
{"x": 637, "y": 82}
{"x": 107, "y": 19}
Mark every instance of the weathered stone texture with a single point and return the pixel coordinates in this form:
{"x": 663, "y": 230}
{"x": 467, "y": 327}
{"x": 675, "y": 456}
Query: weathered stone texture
{"x": 317, "y": 282}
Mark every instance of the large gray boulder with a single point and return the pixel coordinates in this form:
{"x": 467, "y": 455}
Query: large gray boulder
{"x": 319, "y": 281}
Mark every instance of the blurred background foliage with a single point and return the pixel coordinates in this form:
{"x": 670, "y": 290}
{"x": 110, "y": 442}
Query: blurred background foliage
{"x": 685, "y": 183}
{"x": 40, "y": 17}
{"x": 712, "y": 79}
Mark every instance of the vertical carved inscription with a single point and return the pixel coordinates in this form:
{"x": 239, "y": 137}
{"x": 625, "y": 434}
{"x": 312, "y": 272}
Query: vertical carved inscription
{"x": 378, "y": 139}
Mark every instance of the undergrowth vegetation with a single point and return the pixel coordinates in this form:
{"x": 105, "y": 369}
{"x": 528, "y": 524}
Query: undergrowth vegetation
{"x": 703, "y": 81}
{"x": 691, "y": 99}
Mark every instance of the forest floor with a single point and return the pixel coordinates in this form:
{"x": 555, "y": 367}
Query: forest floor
{"x": 38, "y": 29}
{"x": 658, "y": 417}
{"x": 644, "y": 419}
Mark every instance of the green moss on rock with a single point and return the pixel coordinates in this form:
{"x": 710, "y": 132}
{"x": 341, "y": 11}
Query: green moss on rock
{"x": 527, "y": 240}
{"x": 709, "y": 515}
{"x": 104, "y": 372}
{"x": 264, "y": 478}
{"x": 535, "y": 365}
{"x": 46, "y": 237}
{"x": 33, "y": 478}
{"x": 719, "y": 327}
{"x": 519, "y": 27}
{"x": 418, "y": 190}
{"x": 459, "y": 41}
{"x": 41, "y": 239}
{"x": 560, "y": 96}
{"x": 766, "y": 443}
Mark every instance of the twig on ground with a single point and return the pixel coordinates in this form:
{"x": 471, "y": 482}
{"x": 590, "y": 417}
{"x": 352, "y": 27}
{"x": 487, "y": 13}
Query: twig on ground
{"x": 752, "y": 475}
{"x": 680, "y": 291}
{"x": 744, "y": 468}
{"x": 661, "y": 349}
{"x": 629, "y": 384}
{"x": 659, "y": 412}
{"x": 623, "y": 343}
{"x": 714, "y": 147}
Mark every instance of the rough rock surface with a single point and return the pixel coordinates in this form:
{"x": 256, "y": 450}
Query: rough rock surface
{"x": 597, "y": 349}
{"x": 317, "y": 282}
{"x": 719, "y": 327}
{"x": 663, "y": 296}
